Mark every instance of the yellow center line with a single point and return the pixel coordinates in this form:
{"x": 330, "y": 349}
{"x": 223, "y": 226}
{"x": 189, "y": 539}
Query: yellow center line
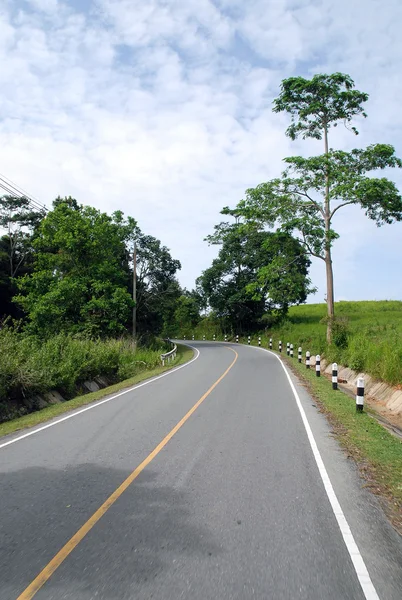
{"x": 60, "y": 557}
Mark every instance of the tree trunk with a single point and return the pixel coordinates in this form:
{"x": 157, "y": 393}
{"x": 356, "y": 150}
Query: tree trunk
{"x": 330, "y": 294}
{"x": 328, "y": 257}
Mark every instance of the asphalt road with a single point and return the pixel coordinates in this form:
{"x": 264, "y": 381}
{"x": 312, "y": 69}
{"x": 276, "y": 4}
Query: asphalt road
{"x": 232, "y": 506}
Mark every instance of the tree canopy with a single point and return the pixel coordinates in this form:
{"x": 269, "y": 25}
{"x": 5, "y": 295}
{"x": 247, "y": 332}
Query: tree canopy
{"x": 255, "y": 272}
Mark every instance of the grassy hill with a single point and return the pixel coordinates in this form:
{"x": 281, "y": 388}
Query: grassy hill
{"x": 368, "y": 336}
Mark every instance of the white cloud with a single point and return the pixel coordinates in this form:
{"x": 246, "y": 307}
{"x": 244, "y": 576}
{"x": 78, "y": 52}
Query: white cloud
{"x": 163, "y": 109}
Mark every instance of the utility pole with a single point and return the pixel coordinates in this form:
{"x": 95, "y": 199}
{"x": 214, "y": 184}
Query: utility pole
{"x": 135, "y": 293}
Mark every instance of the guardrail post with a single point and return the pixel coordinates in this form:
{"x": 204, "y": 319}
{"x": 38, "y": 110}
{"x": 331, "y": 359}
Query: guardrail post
{"x": 360, "y": 394}
{"x": 280, "y": 346}
{"x": 334, "y": 376}
{"x": 270, "y": 343}
{"x": 291, "y": 350}
{"x": 318, "y": 365}
{"x": 307, "y": 359}
{"x": 299, "y": 354}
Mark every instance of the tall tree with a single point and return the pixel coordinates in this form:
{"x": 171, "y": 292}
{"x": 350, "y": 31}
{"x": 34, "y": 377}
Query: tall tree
{"x": 157, "y": 287}
{"x": 79, "y": 278}
{"x": 256, "y": 271}
{"x": 312, "y": 190}
{"x": 19, "y": 222}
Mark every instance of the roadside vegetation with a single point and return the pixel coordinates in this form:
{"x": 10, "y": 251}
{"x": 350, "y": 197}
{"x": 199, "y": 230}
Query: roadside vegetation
{"x": 367, "y": 335}
{"x": 184, "y": 354}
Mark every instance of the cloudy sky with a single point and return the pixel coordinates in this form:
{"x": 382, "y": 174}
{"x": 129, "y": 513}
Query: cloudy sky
{"x": 162, "y": 108}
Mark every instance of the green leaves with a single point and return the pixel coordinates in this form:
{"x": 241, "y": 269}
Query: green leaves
{"x": 316, "y": 104}
{"x": 79, "y": 279}
{"x": 255, "y": 271}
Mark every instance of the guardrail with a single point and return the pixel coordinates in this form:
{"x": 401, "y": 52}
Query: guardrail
{"x": 168, "y": 356}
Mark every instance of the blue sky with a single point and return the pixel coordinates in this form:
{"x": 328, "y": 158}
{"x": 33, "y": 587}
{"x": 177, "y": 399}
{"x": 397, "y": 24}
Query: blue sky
{"x": 163, "y": 109}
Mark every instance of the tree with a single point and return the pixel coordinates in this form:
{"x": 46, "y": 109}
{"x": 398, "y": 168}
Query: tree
{"x": 186, "y": 315}
{"x": 157, "y": 287}
{"x": 311, "y": 190}
{"x": 79, "y": 280}
{"x": 256, "y": 271}
{"x": 16, "y": 253}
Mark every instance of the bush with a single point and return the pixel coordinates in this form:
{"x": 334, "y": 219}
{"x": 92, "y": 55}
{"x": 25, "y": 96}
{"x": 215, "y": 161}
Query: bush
{"x": 29, "y": 366}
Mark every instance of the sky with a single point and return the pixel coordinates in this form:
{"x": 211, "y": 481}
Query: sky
{"x": 163, "y": 109}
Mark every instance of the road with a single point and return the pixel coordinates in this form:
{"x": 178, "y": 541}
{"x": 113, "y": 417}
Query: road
{"x": 205, "y": 483}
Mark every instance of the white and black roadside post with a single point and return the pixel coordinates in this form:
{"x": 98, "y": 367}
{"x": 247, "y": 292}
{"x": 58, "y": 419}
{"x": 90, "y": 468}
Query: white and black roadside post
{"x": 360, "y": 394}
{"x": 203, "y": 338}
{"x": 193, "y": 337}
{"x": 288, "y": 348}
{"x": 259, "y": 341}
{"x": 184, "y": 337}
{"x": 308, "y": 360}
{"x": 299, "y": 354}
{"x": 237, "y": 338}
{"x": 248, "y": 340}
{"x": 270, "y": 343}
{"x": 214, "y": 337}
{"x": 280, "y": 347}
{"x": 318, "y": 365}
{"x": 291, "y": 350}
{"x": 226, "y": 338}
{"x": 334, "y": 376}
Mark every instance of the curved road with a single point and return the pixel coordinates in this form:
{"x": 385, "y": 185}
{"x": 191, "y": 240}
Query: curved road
{"x": 215, "y": 481}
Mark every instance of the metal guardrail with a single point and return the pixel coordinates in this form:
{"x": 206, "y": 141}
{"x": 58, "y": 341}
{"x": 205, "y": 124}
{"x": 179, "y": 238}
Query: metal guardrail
{"x": 168, "y": 356}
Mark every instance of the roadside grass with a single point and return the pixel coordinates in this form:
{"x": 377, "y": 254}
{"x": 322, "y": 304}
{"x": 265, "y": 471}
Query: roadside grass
{"x": 369, "y": 337}
{"x": 377, "y": 452}
{"x": 184, "y": 354}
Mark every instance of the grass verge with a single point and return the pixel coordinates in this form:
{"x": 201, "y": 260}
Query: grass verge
{"x": 184, "y": 354}
{"x": 377, "y": 452}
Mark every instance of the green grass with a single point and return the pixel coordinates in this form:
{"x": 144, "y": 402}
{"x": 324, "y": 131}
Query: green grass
{"x": 369, "y": 335}
{"x": 184, "y": 354}
{"x": 377, "y": 452}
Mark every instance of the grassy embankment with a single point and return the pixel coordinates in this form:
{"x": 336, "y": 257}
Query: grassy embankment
{"x": 29, "y": 369}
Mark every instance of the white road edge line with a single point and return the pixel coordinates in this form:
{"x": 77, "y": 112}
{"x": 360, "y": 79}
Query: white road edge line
{"x": 100, "y": 402}
{"x": 354, "y": 552}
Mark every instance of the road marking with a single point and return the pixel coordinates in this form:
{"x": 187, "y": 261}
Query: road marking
{"x": 354, "y": 552}
{"x": 60, "y": 557}
{"x": 96, "y": 404}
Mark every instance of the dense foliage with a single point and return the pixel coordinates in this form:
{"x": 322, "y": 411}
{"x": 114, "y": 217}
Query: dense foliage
{"x": 256, "y": 272}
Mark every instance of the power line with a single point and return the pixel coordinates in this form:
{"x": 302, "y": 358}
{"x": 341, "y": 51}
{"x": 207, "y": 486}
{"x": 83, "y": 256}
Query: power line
{"x": 13, "y": 190}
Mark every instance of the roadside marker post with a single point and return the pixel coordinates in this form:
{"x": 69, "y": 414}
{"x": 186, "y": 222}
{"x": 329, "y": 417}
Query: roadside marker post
{"x": 203, "y": 338}
{"x": 318, "y": 365}
{"x": 288, "y": 348}
{"x": 248, "y": 340}
{"x": 280, "y": 346}
{"x": 237, "y": 338}
{"x": 299, "y": 354}
{"x": 270, "y": 343}
{"x": 307, "y": 359}
{"x": 291, "y": 350}
{"x": 226, "y": 338}
{"x": 259, "y": 341}
{"x": 360, "y": 394}
{"x": 214, "y": 337}
{"x": 334, "y": 376}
